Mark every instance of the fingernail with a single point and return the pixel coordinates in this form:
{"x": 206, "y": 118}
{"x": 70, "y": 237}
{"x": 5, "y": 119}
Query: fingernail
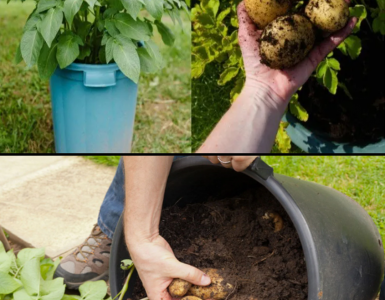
{"x": 205, "y": 280}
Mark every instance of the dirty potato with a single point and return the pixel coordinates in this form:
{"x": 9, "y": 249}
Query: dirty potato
{"x": 262, "y": 12}
{"x": 219, "y": 288}
{"x": 190, "y": 298}
{"x": 286, "y": 41}
{"x": 178, "y": 288}
{"x": 328, "y": 15}
{"x": 277, "y": 219}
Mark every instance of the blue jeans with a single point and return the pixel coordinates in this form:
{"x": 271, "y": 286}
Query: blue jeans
{"x": 113, "y": 203}
{"x": 382, "y": 296}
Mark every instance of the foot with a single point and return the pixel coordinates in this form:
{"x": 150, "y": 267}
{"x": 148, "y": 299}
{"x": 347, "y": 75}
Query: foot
{"x": 89, "y": 262}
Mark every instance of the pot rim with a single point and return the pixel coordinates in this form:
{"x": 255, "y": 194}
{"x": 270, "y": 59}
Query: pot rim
{"x": 91, "y": 67}
{"x": 300, "y": 135}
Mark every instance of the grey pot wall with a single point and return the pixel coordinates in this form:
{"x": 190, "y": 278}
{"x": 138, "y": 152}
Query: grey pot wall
{"x": 343, "y": 248}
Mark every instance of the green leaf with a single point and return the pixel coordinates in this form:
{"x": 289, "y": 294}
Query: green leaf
{"x": 124, "y": 40}
{"x": 237, "y": 88}
{"x": 91, "y": 3}
{"x": 44, "y": 5}
{"x": 93, "y": 290}
{"x": 333, "y": 63}
{"x": 137, "y": 30}
{"x": 210, "y": 6}
{"x": 227, "y": 75}
{"x": 84, "y": 52}
{"x": 222, "y": 15}
{"x": 8, "y": 283}
{"x": 67, "y": 50}
{"x": 109, "y": 50}
{"x": 133, "y": 7}
{"x": 51, "y": 24}
{"x": 5, "y": 262}
{"x": 82, "y": 28}
{"x": 111, "y": 27}
{"x": 147, "y": 62}
{"x": 297, "y": 109}
{"x": 18, "y": 56}
{"x": 12, "y": 257}
{"x": 358, "y": 11}
{"x": 22, "y": 295}
{"x": 154, "y": 52}
{"x": 331, "y": 81}
{"x": 29, "y": 253}
{"x": 32, "y": 22}
{"x": 345, "y": 89}
{"x": 282, "y": 139}
{"x": 30, "y": 46}
{"x": 377, "y": 25}
{"x": 71, "y": 297}
{"x": 128, "y": 60}
{"x": 351, "y": 45}
{"x": 71, "y": 8}
{"x": 52, "y": 289}
{"x": 197, "y": 67}
{"x": 30, "y": 276}
{"x": 155, "y": 8}
{"x": 167, "y": 35}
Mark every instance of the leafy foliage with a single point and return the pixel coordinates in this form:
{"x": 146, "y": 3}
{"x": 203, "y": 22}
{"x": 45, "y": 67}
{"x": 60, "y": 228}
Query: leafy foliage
{"x": 30, "y": 276}
{"x": 214, "y": 41}
{"x": 60, "y": 32}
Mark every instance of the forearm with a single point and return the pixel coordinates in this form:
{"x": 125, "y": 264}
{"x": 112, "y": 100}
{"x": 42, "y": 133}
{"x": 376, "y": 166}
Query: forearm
{"x": 249, "y": 126}
{"x": 145, "y": 182}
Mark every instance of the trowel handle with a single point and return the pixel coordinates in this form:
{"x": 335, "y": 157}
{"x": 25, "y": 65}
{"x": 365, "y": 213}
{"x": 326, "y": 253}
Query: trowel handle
{"x": 262, "y": 169}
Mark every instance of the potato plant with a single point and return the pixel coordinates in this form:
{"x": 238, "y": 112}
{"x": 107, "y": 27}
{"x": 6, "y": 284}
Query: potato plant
{"x": 60, "y": 32}
{"x": 30, "y": 276}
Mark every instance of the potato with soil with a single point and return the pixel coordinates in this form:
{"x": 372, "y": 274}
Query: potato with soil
{"x": 219, "y": 288}
{"x": 328, "y": 15}
{"x": 262, "y": 12}
{"x": 178, "y": 288}
{"x": 286, "y": 41}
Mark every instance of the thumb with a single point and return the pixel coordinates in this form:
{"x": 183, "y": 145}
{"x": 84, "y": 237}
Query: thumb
{"x": 190, "y": 274}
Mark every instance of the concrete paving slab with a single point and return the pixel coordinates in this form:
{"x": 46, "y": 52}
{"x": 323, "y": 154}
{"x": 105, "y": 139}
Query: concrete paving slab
{"x": 13, "y": 167}
{"x": 54, "y": 203}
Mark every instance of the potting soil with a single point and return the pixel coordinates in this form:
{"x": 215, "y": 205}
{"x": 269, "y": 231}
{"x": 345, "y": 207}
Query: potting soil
{"x": 232, "y": 234}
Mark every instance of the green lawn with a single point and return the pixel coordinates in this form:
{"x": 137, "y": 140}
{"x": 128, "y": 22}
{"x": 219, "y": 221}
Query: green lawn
{"x": 361, "y": 178}
{"x": 163, "y": 111}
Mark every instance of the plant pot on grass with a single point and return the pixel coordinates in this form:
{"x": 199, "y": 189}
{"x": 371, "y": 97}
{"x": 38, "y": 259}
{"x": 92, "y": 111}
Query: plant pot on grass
{"x": 92, "y": 52}
{"x": 342, "y": 247}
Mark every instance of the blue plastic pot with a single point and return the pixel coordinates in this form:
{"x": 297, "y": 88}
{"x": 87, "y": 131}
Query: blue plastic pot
{"x": 316, "y": 142}
{"x": 93, "y": 109}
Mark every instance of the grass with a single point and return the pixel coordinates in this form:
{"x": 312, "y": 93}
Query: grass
{"x": 359, "y": 177}
{"x": 163, "y": 111}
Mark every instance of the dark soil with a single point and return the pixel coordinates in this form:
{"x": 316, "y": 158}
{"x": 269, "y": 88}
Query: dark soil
{"x": 231, "y": 234}
{"x": 359, "y": 120}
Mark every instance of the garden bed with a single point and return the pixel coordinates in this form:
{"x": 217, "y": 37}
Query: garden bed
{"x": 234, "y": 235}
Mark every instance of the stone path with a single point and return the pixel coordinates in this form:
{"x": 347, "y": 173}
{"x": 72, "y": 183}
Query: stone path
{"x": 51, "y": 201}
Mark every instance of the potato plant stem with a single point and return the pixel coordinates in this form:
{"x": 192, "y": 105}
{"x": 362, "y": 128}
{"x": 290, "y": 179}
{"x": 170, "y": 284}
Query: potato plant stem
{"x": 124, "y": 289}
{"x": 97, "y": 10}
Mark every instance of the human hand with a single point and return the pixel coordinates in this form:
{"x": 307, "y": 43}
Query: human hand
{"x": 238, "y": 163}
{"x": 280, "y": 83}
{"x": 157, "y": 266}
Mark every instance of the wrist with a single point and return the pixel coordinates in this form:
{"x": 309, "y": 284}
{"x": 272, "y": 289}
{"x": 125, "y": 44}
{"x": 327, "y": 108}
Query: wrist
{"x": 255, "y": 92}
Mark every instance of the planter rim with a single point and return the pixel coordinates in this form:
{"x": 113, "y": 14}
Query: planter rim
{"x": 92, "y": 67}
{"x": 305, "y": 138}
